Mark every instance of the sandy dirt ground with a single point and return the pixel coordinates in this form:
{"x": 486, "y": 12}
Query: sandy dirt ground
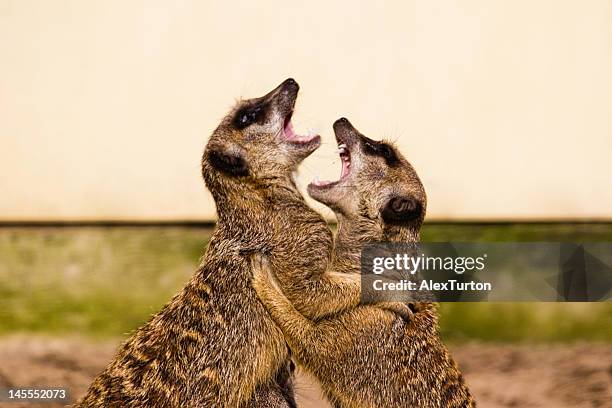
{"x": 523, "y": 376}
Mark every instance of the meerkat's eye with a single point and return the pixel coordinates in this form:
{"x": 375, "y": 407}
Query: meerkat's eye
{"x": 247, "y": 116}
{"x": 381, "y": 149}
{"x": 387, "y": 153}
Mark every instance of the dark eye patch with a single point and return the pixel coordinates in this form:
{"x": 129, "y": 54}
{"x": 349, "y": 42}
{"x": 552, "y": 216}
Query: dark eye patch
{"x": 248, "y": 115}
{"x": 380, "y": 149}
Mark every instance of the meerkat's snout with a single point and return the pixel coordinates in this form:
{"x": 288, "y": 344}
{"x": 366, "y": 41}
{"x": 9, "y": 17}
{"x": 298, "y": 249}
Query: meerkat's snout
{"x": 348, "y": 140}
{"x": 274, "y": 111}
{"x": 286, "y": 100}
{"x": 283, "y": 98}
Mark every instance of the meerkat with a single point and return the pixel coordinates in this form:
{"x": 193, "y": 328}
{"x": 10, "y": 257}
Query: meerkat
{"x": 214, "y": 344}
{"x": 367, "y": 356}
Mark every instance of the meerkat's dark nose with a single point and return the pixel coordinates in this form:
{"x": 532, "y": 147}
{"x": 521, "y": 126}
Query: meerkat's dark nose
{"x": 290, "y": 81}
{"x": 342, "y": 123}
{"x": 290, "y": 85}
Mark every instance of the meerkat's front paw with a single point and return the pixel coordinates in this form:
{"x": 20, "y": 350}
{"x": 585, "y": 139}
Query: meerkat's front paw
{"x": 263, "y": 277}
{"x": 259, "y": 264}
{"x": 260, "y": 267}
{"x": 401, "y": 309}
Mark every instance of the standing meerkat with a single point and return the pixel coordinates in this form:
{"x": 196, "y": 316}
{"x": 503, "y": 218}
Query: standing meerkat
{"x": 214, "y": 344}
{"x": 367, "y": 356}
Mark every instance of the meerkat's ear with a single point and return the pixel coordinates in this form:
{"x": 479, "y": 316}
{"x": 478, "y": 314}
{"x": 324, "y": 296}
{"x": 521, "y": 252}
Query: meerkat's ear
{"x": 229, "y": 162}
{"x": 401, "y": 210}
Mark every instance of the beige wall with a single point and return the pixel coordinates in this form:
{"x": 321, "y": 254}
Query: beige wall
{"x": 504, "y": 107}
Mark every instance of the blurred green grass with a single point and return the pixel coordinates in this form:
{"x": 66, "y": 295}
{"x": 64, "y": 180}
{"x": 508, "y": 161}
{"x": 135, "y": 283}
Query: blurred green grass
{"x": 106, "y": 281}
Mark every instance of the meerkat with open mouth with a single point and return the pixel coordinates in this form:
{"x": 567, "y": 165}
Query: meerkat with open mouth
{"x": 367, "y": 356}
{"x": 214, "y": 345}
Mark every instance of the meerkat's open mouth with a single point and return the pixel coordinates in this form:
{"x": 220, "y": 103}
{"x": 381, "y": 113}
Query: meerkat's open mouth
{"x": 290, "y": 136}
{"x": 345, "y": 159}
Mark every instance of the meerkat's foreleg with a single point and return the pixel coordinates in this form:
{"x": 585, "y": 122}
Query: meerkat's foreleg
{"x": 305, "y": 335}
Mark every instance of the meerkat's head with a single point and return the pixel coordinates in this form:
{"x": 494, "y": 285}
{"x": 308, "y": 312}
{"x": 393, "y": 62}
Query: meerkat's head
{"x": 377, "y": 184}
{"x": 256, "y": 140}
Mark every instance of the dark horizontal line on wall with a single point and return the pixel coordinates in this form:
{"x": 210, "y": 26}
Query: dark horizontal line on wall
{"x": 210, "y": 224}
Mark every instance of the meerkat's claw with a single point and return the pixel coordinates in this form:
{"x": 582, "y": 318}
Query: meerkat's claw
{"x": 263, "y": 275}
{"x": 401, "y": 309}
{"x": 258, "y": 266}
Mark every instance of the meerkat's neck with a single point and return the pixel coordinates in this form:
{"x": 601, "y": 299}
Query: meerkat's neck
{"x": 237, "y": 203}
{"x": 354, "y": 233}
